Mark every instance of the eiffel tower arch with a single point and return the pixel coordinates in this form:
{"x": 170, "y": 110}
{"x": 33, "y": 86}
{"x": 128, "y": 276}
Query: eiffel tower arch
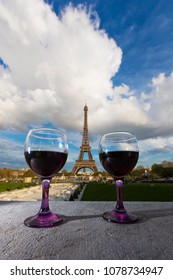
{"x": 85, "y": 149}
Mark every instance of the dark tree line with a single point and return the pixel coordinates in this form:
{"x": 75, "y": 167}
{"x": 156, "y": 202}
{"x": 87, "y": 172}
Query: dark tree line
{"x": 156, "y": 171}
{"x": 160, "y": 171}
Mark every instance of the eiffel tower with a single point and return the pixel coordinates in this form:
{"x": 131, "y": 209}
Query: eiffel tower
{"x": 85, "y": 148}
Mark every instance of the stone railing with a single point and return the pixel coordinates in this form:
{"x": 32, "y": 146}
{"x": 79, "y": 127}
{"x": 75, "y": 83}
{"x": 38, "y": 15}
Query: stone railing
{"x": 85, "y": 234}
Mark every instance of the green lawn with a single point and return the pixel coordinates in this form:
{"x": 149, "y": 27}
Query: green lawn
{"x": 131, "y": 192}
{"x": 6, "y": 186}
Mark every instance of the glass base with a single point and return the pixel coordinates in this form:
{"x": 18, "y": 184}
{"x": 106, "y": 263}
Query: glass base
{"x": 44, "y": 220}
{"x": 119, "y": 217}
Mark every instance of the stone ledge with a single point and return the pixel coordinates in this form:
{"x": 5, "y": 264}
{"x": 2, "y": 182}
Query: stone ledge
{"x": 85, "y": 234}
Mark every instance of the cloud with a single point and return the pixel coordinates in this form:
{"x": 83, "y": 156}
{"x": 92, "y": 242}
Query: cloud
{"x": 11, "y": 153}
{"x": 155, "y": 150}
{"x": 156, "y": 145}
{"x": 160, "y": 104}
{"x": 56, "y": 64}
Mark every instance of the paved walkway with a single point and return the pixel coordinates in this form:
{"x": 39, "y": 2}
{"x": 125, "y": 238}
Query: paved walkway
{"x": 58, "y": 191}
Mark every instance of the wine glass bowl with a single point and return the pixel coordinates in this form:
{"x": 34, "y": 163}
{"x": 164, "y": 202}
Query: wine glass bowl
{"x": 118, "y": 153}
{"x": 45, "y": 152}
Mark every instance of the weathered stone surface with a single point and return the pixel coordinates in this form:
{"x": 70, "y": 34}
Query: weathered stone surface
{"x": 85, "y": 234}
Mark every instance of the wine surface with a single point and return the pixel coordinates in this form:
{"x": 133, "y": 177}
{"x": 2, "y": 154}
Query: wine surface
{"x": 45, "y": 163}
{"x": 119, "y": 163}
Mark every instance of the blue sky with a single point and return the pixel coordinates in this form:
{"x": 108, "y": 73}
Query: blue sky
{"x": 115, "y": 55}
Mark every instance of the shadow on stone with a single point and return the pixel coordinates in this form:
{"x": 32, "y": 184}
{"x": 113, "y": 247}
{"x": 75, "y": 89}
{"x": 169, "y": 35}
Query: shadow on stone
{"x": 144, "y": 216}
{"x": 74, "y": 218}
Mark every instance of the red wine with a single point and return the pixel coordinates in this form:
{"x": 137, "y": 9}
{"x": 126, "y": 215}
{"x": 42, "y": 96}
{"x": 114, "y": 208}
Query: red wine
{"x": 45, "y": 163}
{"x": 119, "y": 163}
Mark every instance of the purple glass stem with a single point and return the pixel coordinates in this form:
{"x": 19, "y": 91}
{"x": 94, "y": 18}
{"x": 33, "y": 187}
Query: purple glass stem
{"x": 45, "y": 197}
{"x": 119, "y": 205}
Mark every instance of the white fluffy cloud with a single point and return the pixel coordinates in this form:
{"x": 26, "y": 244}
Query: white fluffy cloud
{"x": 156, "y": 145}
{"x": 161, "y": 101}
{"x": 56, "y": 64}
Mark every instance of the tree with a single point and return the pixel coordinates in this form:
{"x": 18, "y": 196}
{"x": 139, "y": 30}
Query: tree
{"x": 137, "y": 173}
{"x": 157, "y": 170}
{"x": 167, "y": 172}
{"x": 29, "y": 173}
{"x": 5, "y": 173}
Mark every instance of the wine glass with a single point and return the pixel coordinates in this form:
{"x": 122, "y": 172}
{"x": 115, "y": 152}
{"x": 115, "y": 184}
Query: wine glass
{"x": 118, "y": 153}
{"x": 46, "y": 153}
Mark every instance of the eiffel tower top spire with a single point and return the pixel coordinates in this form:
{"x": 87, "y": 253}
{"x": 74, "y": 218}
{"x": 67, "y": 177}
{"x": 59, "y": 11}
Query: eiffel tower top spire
{"x": 85, "y": 139}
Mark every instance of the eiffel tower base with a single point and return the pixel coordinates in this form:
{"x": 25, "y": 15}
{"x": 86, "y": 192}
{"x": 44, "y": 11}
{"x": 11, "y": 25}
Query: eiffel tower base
{"x": 84, "y": 164}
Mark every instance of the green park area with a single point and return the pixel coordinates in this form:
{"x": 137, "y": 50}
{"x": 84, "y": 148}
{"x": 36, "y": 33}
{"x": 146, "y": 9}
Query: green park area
{"x": 9, "y": 186}
{"x": 99, "y": 191}
{"x": 131, "y": 192}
